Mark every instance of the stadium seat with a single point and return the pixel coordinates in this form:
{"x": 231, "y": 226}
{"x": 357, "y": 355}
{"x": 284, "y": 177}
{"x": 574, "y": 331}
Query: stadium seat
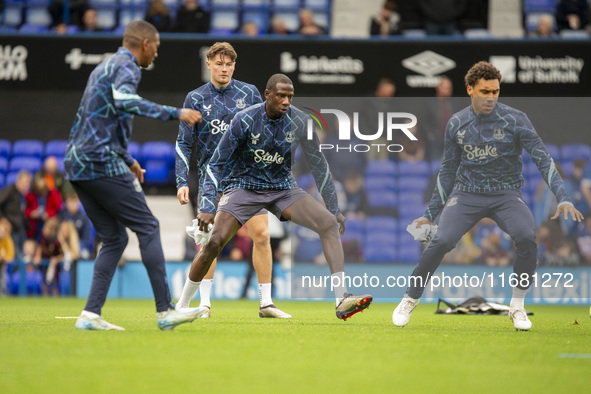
{"x": 106, "y": 16}
{"x": 225, "y": 20}
{"x": 134, "y": 150}
{"x": 355, "y": 230}
{"x": 546, "y": 6}
{"x": 27, "y": 148}
{"x": 2, "y": 178}
{"x": 380, "y": 224}
{"x": 10, "y": 178}
{"x": 70, "y": 29}
{"x": 131, "y": 12}
{"x": 55, "y": 148}
{"x": 13, "y": 13}
{"x": 412, "y": 184}
{"x": 290, "y": 17}
{"x": 554, "y": 151}
{"x": 379, "y": 252}
{"x": 380, "y": 167}
{"x": 32, "y": 164}
{"x": 478, "y": 34}
{"x": 383, "y": 199}
{"x": 158, "y": 172}
{"x": 5, "y": 148}
{"x": 435, "y": 166}
{"x": 414, "y": 168}
{"x": 259, "y": 17}
{"x": 3, "y": 165}
{"x": 158, "y": 150}
{"x": 317, "y": 4}
{"x": 376, "y": 184}
{"x": 309, "y": 245}
{"x": 414, "y": 33}
{"x": 570, "y": 152}
{"x": 409, "y": 252}
{"x": 38, "y": 14}
{"x": 574, "y": 35}
{"x": 32, "y": 28}
{"x": 293, "y": 4}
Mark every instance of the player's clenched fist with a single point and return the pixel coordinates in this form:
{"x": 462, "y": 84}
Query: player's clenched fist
{"x": 190, "y": 116}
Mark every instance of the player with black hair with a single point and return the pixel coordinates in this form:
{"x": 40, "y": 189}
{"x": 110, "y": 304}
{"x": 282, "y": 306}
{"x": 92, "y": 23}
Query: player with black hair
{"x": 107, "y": 178}
{"x": 259, "y": 144}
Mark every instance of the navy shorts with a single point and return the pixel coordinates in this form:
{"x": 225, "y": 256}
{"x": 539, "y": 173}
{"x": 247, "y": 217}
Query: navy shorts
{"x": 244, "y": 203}
{"x": 218, "y": 197}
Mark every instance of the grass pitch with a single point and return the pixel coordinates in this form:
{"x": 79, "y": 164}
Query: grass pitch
{"x": 236, "y": 351}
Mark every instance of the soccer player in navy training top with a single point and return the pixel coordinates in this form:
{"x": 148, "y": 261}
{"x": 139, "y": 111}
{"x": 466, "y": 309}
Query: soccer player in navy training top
{"x": 218, "y": 101}
{"x": 480, "y": 176}
{"x": 259, "y": 144}
{"x": 107, "y": 179}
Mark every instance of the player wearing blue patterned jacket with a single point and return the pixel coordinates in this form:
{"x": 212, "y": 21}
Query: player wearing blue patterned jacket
{"x": 107, "y": 179}
{"x": 480, "y": 176}
{"x": 218, "y": 101}
{"x": 259, "y": 143}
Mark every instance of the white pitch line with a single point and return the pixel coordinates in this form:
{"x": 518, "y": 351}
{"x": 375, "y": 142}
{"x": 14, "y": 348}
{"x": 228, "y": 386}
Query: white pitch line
{"x": 66, "y": 317}
{"x": 574, "y": 355}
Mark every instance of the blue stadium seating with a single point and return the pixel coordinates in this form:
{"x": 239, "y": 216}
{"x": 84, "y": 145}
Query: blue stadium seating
{"x": 554, "y": 151}
{"x": 158, "y": 172}
{"x": 3, "y": 165}
{"x": 28, "y": 148}
{"x": 380, "y": 247}
{"x": 570, "y": 152}
{"x": 412, "y": 183}
{"x": 384, "y": 199}
{"x": 158, "y": 150}
{"x": 55, "y": 148}
{"x": 546, "y": 6}
{"x": 30, "y": 163}
{"x": 355, "y": 230}
{"x": 134, "y": 150}
{"x": 10, "y": 178}
{"x": 5, "y": 148}
{"x": 2, "y": 179}
{"x": 375, "y": 184}
{"x": 409, "y": 252}
{"x": 416, "y": 168}
{"x": 380, "y": 167}
{"x": 380, "y": 224}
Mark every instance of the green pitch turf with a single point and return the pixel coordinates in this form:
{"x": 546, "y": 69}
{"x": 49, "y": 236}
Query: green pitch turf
{"x": 236, "y": 351}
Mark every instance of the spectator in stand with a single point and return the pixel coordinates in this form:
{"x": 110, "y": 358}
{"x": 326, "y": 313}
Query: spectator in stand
{"x": 545, "y": 27}
{"x": 572, "y": 15}
{"x": 48, "y": 256}
{"x": 434, "y": 118}
{"x": 554, "y": 248}
{"x": 278, "y": 27}
{"x": 585, "y": 185}
{"x": 159, "y": 16}
{"x": 385, "y": 89}
{"x": 6, "y": 253}
{"x": 466, "y": 251}
{"x": 307, "y": 25}
{"x": 241, "y": 245}
{"x": 71, "y": 212}
{"x": 493, "y": 253}
{"x": 77, "y": 8}
{"x": 41, "y": 205}
{"x": 488, "y": 234}
{"x": 12, "y": 207}
{"x": 89, "y": 22}
{"x": 192, "y": 18}
{"x": 53, "y": 177}
{"x": 441, "y": 16}
{"x": 249, "y": 29}
{"x": 386, "y": 22}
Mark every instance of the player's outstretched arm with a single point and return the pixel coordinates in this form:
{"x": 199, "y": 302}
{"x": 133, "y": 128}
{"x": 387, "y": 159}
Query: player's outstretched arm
{"x": 190, "y": 116}
{"x": 566, "y": 209}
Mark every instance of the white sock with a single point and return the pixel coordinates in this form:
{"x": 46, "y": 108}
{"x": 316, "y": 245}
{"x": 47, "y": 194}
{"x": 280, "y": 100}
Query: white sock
{"x": 205, "y": 293}
{"x": 89, "y": 315}
{"x": 189, "y": 290}
{"x": 337, "y": 280}
{"x": 517, "y": 301}
{"x": 265, "y": 294}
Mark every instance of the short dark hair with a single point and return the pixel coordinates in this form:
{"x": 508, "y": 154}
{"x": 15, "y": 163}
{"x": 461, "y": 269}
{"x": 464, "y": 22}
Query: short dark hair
{"x": 136, "y": 32}
{"x": 481, "y": 70}
{"x": 277, "y": 78}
